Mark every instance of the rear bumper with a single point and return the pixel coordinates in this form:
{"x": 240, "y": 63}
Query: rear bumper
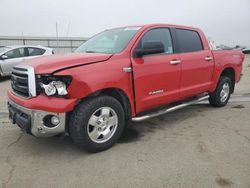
{"x": 33, "y": 121}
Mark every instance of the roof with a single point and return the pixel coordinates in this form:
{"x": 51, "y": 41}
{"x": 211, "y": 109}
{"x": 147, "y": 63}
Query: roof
{"x": 164, "y": 25}
{"x": 23, "y": 46}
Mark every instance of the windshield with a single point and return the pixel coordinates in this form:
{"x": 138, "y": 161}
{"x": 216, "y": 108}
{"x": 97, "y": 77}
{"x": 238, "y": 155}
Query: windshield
{"x": 3, "y": 49}
{"x": 110, "y": 41}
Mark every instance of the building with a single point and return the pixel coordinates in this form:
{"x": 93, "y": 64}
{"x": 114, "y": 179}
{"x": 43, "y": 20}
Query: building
{"x": 60, "y": 44}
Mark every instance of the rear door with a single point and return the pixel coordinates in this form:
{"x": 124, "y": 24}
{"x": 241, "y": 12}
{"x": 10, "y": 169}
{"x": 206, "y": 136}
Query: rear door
{"x": 156, "y": 78}
{"x": 197, "y": 63}
{"x": 15, "y": 56}
{"x": 33, "y": 52}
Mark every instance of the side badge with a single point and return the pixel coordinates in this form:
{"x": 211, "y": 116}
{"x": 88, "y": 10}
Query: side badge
{"x": 156, "y": 92}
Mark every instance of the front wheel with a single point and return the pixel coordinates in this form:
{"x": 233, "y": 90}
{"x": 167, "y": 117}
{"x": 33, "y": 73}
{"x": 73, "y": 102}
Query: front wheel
{"x": 97, "y": 123}
{"x": 222, "y": 92}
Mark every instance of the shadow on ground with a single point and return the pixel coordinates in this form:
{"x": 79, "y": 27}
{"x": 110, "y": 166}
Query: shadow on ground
{"x": 134, "y": 133}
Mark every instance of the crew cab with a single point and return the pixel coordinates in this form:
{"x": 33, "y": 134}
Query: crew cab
{"x": 123, "y": 74}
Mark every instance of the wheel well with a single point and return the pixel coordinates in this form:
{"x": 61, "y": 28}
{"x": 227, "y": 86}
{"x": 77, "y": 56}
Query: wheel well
{"x": 113, "y": 92}
{"x": 229, "y": 72}
{"x": 119, "y": 95}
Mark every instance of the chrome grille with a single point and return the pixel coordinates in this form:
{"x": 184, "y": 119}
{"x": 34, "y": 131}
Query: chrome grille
{"x": 23, "y": 81}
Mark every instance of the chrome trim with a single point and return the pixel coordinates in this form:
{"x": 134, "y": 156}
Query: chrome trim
{"x": 208, "y": 58}
{"x": 174, "y": 62}
{"x": 127, "y": 69}
{"x": 31, "y": 78}
{"x": 165, "y": 111}
{"x": 156, "y": 92}
{"x": 38, "y": 129}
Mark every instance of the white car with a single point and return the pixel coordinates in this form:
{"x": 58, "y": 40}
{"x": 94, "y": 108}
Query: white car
{"x": 10, "y": 56}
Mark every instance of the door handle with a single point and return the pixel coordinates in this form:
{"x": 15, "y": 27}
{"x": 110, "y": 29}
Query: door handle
{"x": 174, "y": 62}
{"x": 127, "y": 69}
{"x": 208, "y": 58}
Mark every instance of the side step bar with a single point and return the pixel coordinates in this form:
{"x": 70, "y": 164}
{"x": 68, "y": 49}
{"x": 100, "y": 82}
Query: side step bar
{"x": 165, "y": 111}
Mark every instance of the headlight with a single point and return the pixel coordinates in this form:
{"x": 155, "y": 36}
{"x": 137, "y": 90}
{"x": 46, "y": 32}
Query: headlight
{"x": 54, "y": 85}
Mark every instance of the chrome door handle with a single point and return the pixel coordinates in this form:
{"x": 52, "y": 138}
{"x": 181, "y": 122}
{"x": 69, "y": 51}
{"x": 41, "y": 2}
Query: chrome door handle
{"x": 127, "y": 69}
{"x": 175, "y": 62}
{"x": 208, "y": 58}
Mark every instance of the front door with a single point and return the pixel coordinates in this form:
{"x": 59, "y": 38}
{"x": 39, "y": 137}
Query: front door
{"x": 14, "y": 57}
{"x": 156, "y": 76}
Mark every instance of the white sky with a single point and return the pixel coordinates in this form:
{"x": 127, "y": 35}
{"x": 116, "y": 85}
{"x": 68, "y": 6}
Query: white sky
{"x": 226, "y": 21}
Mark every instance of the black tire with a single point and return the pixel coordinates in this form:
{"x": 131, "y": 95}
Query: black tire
{"x": 79, "y": 122}
{"x": 215, "y": 99}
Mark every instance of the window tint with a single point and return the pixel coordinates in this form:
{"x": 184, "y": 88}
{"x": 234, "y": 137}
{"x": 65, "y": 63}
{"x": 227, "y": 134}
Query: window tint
{"x": 110, "y": 41}
{"x": 35, "y": 51}
{"x": 189, "y": 41}
{"x": 162, "y": 35}
{"x": 16, "y": 53}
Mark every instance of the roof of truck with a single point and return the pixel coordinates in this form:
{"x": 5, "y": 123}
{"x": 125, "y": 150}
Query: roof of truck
{"x": 164, "y": 25}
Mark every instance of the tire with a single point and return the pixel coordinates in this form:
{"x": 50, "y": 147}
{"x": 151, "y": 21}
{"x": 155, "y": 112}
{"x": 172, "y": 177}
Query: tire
{"x": 222, "y": 93}
{"x": 97, "y": 123}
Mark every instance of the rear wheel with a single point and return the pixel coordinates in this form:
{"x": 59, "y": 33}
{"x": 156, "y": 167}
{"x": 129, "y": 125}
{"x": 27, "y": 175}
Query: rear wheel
{"x": 222, "y": 92}
{"x": 97, "y": 123}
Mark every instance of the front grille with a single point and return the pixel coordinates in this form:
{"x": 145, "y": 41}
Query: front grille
{"x": 23, "y": 81}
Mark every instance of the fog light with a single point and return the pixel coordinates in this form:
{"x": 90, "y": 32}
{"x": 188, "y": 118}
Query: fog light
{"x": 51, "y": 121}
{"x": 55, "y": 120}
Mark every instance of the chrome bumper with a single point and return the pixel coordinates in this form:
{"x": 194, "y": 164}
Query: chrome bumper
{"x": 34, "y": 120}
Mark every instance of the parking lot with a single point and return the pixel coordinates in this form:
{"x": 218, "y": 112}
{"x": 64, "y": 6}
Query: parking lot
{"x": 198, "y": 146}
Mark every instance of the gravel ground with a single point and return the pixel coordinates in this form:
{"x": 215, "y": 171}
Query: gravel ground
{"x": 199, "y": 146}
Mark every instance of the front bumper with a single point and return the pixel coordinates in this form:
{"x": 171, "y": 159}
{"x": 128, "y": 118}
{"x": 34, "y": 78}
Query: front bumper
{"x": 33, "y": 121}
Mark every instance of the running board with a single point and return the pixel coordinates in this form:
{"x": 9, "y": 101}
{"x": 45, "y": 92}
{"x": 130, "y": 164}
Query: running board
{"x": 165, "y": 111}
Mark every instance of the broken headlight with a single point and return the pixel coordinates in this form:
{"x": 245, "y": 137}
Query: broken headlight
{"x": 53, "y": 85}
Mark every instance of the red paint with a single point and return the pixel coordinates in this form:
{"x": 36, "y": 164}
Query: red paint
{"x": 45, "y": 103}
{"x": 94, "y": 72}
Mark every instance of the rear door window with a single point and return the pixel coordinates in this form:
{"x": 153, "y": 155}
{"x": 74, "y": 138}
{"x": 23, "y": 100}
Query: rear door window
{"x": 35, "y": 51}
{"x": 189, "y": 41}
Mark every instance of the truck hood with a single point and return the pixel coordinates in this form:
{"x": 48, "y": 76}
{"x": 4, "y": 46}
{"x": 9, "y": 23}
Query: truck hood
{"x": 51, "y": 63}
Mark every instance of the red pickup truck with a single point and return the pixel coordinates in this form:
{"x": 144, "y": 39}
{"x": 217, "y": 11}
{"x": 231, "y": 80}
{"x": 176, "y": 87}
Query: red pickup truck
{"x": 123, "y": 74}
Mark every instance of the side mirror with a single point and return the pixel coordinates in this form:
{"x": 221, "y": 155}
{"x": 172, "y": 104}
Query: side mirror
{"x": 3, "y": 57}
{"x": 152, "y": 47}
